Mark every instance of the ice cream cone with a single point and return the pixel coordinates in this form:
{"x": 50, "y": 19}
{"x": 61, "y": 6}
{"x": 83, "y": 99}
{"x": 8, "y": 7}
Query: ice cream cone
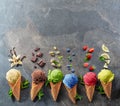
{"x": 72, "y": 93}
{"x": 16, "y": 88}
{"x": 107, "y": 88}
{"x": 55, "y": 88}
{"x": 90, "y": 91}
{"x": 35, "y": 89}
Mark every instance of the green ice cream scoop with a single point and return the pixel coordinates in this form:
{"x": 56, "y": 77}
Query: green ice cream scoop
{"x": 55, "y": 75}
{"x": 105, "y": 75}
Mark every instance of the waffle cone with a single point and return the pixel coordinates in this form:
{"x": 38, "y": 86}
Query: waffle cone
{"x": 55, "y": 88}
{"x": 90, "y": 91}
{"x": 16, "y": 88}
{"x": 107, "y": 88}
{"x": 72, "y": 93}
{"x": 35, "y": 89}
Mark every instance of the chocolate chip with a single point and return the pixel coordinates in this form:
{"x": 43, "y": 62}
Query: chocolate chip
{"x": 41, "y": 63}
{"x": 34, "y": 59}
{"x": 35, "y": 66}
{"x": 39, "y": 54}
{"x": 33, "y": 54}
{"x": 36, "y": 49}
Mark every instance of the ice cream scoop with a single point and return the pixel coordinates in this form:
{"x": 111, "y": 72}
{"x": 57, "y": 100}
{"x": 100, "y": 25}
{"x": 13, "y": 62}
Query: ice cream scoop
{"x": 70, "y": 80}
{"x": 105, "y": 75}
{"x": 38, "y": 76}
{"x": 55, "y": 75}
{"x": 90, "y": 78}
{"x": 12, "y": 75}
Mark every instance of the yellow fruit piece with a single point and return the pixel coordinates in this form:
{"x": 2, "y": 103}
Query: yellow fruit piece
{"x": 105, "y": 55}
{"x": 105, "y": 65}
{"x": 107, "y": 61}
{"x": 105, "y": 48}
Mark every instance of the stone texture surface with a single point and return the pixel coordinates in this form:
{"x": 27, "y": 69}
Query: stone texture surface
{"x": 27, "y": 24}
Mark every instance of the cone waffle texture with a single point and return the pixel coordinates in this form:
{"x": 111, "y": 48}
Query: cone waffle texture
{"x": 90, "y": 91}
{"x": 16, "y": 88}
{"x": 72, "y": 93}
{"x": 55, "y": 88}
{"x": 107, "y": 88}
{"x": 35, "y": 89}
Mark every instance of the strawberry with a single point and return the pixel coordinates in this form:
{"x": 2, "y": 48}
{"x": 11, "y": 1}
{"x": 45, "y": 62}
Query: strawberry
{"x": 91, "y": 50}
{"x": 91, "y": 68}
{"x": 85, "y": 47}
{"x": 85, "y": 65}
{"x": 88, "y": 56}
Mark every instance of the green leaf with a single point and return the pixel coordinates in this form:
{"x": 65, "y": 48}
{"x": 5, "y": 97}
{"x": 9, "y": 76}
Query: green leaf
{"x": 101, "y": 58}
{"x": 47, "y": 82}
{"x": 60, "y": 57}
{"x": 40, "y": 94}
{"x": 25, "y": 84}
{"x": 78, "y": 97}
{"x": 81, "y": 80}
{"x": 85, "y": 59}
{"x": 100, "y": 90}
{"x": 10, "y": 92}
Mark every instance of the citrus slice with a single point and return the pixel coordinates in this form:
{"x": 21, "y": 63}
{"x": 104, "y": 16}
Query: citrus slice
{"x": 107, "y": 61}
{"x": 105, "y": 65}
{"x": 105, "y": 48}
{"x": 106, "y": 56}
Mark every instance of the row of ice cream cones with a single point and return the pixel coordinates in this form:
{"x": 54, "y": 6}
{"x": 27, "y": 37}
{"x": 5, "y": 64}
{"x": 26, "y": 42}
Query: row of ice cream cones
{"x": 70, "y": 82}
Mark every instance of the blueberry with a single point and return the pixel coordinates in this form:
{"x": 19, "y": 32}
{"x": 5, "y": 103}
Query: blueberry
{"x": 73, "y": 70}
{"x": 73, "y": 54}
{"x": 68, "y": 50}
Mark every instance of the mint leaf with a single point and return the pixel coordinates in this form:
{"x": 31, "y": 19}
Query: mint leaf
{"x": 78, "y": 97}
{"x": 10, "y": 92}
{"x": 25, "y": 84}
{"x": 47, "y": 82}
{"x": 100, "y": 90}
{"x": 40, "y": 94}
{"x": 101, "y": 58}
{"x": 81, "y": 80}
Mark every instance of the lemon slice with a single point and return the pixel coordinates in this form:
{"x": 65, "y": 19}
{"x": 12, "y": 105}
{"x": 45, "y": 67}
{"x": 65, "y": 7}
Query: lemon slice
{"x": 105, "y": 48}
{"x": 107, "y": 61}
{"x": 105, "y": 65}
{"x": 106, "y": 56}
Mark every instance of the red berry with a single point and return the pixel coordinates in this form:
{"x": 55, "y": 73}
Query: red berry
{"x": 91, "y": 68}
{"x": 85, "y": 47}
{"x": 88, "y": 56}
{"x": 91, "y": 50}
{"x": 85, "y": 65}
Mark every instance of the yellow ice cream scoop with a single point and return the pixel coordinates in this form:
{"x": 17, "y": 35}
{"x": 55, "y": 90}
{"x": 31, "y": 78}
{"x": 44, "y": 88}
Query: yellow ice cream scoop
{"x": 105, "y": 75}
{"x": 12, "y": 75}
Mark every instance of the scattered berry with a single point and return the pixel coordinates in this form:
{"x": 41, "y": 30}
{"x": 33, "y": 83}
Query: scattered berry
{"x": 72, "y": 70}
{"x": 85, "y": 65}
{"x": 68, "y": 50}
{"x": 85, "y": 47}
{"x": 88, "y": 56}
{"x": 73, "y": 54}
{"x": 91, "y": 68}
{"x": 91, "y": 50}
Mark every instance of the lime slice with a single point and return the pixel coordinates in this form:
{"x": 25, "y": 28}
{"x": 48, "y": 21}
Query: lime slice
{"x": 105, "y": 65}
{"x": 105, "y": 48}
{"x": 107, "y": 61}
{"x": 106, "y": 56}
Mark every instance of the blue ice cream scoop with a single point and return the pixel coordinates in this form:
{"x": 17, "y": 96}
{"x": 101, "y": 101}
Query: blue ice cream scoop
{"x": 70, "y": 80}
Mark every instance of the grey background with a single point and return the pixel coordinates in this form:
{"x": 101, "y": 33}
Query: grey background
{"x": 27, "y": 24}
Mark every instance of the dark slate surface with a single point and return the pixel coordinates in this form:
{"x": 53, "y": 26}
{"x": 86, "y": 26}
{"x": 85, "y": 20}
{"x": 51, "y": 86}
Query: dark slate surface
{"x": 27, "y": 24}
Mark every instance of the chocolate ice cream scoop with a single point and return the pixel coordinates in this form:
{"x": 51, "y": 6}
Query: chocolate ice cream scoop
{"x": 38, "y": 76}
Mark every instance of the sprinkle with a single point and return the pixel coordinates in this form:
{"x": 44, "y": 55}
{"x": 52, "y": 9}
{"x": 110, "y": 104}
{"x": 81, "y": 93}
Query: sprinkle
{"x": 73, "y": 54}
{"x": 73, "y": 70}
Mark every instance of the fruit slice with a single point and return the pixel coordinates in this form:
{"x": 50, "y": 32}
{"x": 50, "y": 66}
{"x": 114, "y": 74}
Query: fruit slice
{"x": 85, "y": 65}
{"x": 105, "y": 65}
{"x": 85, "y": 47}
{"x": 91, "y": 50}
{"x": 90, "y": 91}
{"x": 107, "y": 88}
{"x": 106, "y": 56}
{"x": 107, "y": 61}
{"x": 105, "y": 48}
{"x": 55, "y": 88}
